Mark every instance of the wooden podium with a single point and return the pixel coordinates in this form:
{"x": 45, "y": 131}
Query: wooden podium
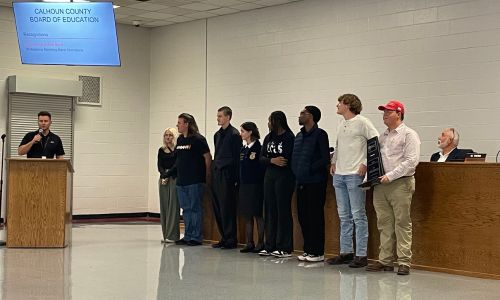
{"x": 39, "y": 203}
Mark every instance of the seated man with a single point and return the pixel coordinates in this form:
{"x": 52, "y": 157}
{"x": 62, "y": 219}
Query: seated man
{"x": 448, "y": 143}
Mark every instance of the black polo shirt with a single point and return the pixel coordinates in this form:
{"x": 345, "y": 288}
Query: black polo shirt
{"x": 49, "y": 146}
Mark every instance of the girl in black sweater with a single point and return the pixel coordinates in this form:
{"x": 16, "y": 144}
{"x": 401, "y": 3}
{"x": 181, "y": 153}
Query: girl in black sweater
{"x": 169, "y": 205}
{"x": 279, "y": 184}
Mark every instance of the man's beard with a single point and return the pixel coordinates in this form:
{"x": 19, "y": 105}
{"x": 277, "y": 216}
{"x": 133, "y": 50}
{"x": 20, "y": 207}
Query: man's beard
{"x": 443, "y": 145}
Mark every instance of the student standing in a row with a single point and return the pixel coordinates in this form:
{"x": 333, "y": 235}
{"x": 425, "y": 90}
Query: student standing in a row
{"x": 251, "y": 187}
{"x": 348, "y": 169}
{"x": 193, "y": 170}
{"x": 169, "y": 205}
{"x": 279, "y": 184}
{"x": 311, "y": 155}
{"x": 225, "y": 172}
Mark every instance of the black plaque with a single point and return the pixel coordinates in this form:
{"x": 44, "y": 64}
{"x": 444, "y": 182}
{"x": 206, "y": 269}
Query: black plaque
{"x": 375, "y": 167}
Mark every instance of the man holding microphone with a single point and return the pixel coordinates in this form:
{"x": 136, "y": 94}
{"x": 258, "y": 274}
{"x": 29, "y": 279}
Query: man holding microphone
{"x": 42, "y": 143}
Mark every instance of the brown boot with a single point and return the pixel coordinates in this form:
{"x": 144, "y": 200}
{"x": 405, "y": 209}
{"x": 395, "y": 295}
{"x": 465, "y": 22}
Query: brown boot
{"x": 378, "y": 267}
{"x": 359, "y": 262}
{"x": 341, "y": 259}
{"x": 404, "y": 270}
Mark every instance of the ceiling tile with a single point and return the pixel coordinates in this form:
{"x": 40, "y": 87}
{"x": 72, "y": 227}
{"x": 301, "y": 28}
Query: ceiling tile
{"x": 224, "y": 11}
{"x": 158, "y": 23}
{"x": 271, "y": 2}
{"x": 177, "y": 11}
{"x": 172, "y": 3}
{"x": 199, "y": 6}
{"x": 129, "y": 19}
{"x": 223, "y": 3}
{"x": 180, "y": 19}
{"x": 156, "y": 15}
{"x": 124, "y": 2}
{"x": 148, "y": 6}
{"x": 118, "y": 16}
{"x": 200, "y": 15}
{"x": 247, "y": 6}
{"x": 129, "y": 11}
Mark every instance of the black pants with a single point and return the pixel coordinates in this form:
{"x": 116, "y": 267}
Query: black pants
{"x": 311, "y": 212}
{"x": 224, "y": 204}
{"x": 278, "y": 190}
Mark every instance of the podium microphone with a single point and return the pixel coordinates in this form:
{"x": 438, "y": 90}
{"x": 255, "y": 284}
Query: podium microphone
{"x": 496, "y": 158}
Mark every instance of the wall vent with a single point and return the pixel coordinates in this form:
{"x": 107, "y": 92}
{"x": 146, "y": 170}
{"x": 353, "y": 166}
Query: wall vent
{"x": 91, "y": 90}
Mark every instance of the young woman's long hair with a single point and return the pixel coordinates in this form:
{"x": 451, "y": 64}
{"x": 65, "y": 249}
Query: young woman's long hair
{"x": 192, "y": 126}
{"x": 174, "y": 132}
{"x": 278, "y": 121}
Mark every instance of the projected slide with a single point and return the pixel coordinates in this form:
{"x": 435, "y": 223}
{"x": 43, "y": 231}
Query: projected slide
{"x": 67, "y": 33}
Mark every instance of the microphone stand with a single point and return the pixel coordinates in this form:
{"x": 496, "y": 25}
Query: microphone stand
{"x": 2, "y": 243}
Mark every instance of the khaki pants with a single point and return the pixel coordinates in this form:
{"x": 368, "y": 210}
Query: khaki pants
{"x": 392, "y": 202}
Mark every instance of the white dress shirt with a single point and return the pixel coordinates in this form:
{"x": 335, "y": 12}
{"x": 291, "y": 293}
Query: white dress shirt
{"x": 443, "y": 157}
{"x": 400, "y": 150}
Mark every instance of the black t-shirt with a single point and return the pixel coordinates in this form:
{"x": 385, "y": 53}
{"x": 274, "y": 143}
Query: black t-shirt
{"x": 190, "y": 163}
{"x": 49, "y": 146}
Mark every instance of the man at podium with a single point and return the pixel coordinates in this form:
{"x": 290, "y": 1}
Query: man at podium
{"x": 42, "y": 143}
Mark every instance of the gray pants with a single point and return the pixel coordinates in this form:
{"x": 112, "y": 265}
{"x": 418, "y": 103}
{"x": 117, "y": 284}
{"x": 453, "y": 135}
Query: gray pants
{"x": 169, "y": 210}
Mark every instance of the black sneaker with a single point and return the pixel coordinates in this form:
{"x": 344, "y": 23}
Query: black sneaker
{"x": 181, "y": 242}
{"x": 229, "y": 246}
{"x": 193, "y": 243}
{"x": 258, "y": 248}
{"x": 248, "y": 248}
{"x": 218, "y": 245}
{"x": 359, "y": 262}
{"x": 341, "y": 259}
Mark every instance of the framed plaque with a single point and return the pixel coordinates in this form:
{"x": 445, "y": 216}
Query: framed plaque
{"x": 375, "y": 167}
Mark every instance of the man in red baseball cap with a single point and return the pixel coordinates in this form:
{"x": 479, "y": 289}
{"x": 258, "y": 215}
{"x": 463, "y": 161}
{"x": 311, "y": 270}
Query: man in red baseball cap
{"x": 400, "y": 151}
{"x": 393, "y": 105}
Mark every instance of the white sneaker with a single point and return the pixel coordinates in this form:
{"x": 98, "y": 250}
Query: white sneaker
{"x": 264, "y": 253}
{"x": 281, "y": 254}
{"x": 315, "y": 258}
{"x": 302, "y": 257}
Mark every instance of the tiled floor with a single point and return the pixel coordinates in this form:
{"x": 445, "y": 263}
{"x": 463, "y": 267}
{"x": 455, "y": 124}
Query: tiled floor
{"x": 118, "y": 261}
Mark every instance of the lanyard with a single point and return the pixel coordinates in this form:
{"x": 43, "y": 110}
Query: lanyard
{"x": 44, "y": 145}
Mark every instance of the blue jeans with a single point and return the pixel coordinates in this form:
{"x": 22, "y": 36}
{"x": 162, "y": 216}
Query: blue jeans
{"x": 352, "y": 213}
{"x": 191, "y": 201}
